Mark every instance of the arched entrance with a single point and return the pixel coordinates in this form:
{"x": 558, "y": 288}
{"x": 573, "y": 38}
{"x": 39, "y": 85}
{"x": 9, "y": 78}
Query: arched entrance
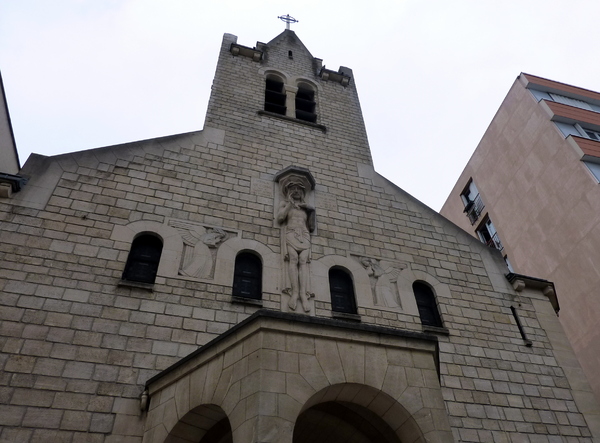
{"x": 203, "y": 424}
{"x": 356, "y": 413}
{"x": 341, "y": 422}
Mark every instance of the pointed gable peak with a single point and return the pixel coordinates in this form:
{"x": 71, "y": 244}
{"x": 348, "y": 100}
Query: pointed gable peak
{"x": 289, "y": 38}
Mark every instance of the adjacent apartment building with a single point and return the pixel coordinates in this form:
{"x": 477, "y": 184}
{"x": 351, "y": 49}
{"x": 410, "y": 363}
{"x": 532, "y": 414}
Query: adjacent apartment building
{"x": 258, "y": 281}
{"x": 531, "y": 191}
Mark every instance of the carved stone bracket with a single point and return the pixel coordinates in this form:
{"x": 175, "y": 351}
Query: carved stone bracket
{"x": 518, "y": 285}
{"x": 339, "y": 77}
{"x": 520, "y": 282}
{"x": 253, "y": 53}
{"x": 295, "y": 172}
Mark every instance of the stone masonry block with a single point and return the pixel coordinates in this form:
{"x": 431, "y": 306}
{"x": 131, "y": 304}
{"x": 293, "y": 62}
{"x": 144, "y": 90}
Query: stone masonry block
{"x": 42, "y": 418}
{"x": 76, "y": 420}
{"x": 28, "y": 397}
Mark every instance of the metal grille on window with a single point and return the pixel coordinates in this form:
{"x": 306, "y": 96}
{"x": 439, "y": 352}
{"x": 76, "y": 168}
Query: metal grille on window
{"x": 275, "y": 97}
{"x": 247, "y": 276}
{"x": 143, "y": 259}
{"x": 342, "y": 291}
{"x": 427, "y": 305}
{"x": 488, "y": 235}
{"x": 473, "y": 202}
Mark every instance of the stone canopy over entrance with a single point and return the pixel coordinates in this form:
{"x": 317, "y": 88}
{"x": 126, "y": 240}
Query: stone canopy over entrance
{"x": 290, "y": 378}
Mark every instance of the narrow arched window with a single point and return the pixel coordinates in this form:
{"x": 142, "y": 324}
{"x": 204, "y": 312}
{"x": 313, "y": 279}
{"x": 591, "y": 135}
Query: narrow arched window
{"x": 275, "y": 96}
{"x": 143, "y": 259}
{"x": 342, "y": 291}
{"x": 305, "y": 104}
{"x": 427, "y": 305}
{"x": 247, "y": 276}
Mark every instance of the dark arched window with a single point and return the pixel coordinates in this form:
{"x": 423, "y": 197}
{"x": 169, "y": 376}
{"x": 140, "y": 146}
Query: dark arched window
{"x": 342, "y": 291}
{"x": 247, "y": 276}
{"x": 275, "y": 96}
{"x": 427, "y": 305}
{"x": 305, "y": 104}
{"x": 143, "y": 259}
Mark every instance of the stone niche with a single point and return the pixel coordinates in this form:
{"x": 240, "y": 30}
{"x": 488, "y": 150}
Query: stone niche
{"x": 296, "y": 215}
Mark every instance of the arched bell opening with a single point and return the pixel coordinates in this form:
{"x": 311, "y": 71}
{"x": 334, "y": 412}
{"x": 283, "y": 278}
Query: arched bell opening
{"x": 203, "y": 424}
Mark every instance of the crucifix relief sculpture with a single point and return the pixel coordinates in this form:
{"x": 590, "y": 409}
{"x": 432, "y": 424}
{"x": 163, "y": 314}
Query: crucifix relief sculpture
{"x": 297, "y": 220}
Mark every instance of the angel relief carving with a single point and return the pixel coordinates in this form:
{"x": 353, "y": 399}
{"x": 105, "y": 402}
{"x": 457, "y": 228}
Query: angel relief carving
{"x": 200, "y": 245}
{"x": 384, "y": 281}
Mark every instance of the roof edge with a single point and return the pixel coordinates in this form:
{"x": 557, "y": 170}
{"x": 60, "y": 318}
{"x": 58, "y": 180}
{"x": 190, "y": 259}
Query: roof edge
{"x": 297, "y": 318}
{"x": 520, "y": 282}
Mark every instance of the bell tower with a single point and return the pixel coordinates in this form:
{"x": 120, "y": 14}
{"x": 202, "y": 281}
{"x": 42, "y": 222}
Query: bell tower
{"x": 296, "y": 110}
{"x": 297, "y": 128}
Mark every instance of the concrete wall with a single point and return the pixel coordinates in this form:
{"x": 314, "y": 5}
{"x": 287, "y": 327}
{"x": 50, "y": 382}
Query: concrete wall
{"x": 544, "y": 203}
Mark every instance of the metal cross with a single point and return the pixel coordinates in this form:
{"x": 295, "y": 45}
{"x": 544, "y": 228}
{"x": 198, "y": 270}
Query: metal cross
{"x": 287, "y": 19}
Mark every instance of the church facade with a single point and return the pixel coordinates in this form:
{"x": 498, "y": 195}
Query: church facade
{"x": 258, "y": 281}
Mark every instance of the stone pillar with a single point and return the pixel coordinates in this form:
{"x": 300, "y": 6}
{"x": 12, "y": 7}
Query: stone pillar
{"x": 290, "y": 101}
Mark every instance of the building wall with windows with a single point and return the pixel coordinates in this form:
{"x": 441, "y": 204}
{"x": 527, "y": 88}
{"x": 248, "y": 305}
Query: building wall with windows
{"x": 536, "y": 174}
{"x": 150, "y": 291}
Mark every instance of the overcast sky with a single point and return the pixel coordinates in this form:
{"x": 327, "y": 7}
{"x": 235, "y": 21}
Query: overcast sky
{"x": 82, "y": 74}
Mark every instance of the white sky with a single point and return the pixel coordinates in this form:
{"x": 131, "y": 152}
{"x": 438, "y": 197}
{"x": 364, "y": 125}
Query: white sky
{"x": 82, "y": 74}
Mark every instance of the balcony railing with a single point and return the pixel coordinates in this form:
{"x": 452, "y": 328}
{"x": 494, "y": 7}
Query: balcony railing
{"x": 474, "y": 209}
{"x": 495, "y": 242}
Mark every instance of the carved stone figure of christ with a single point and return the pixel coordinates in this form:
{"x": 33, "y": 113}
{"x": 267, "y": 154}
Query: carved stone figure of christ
{"x": 298, "y": 221}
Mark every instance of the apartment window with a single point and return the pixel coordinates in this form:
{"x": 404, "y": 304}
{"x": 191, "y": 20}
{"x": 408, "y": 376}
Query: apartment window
{"x": 342, "y": 291}
{"x": 594, "y": 135}
{"x": 144, "y": 257}
{"x": 427, "y": 305}
{"x": 571, "y": 101}
{"x": 305, "y": 104}
{"x": 247, "y": 276}
{"x": 472, "y": 201}
{"x": 275, "y": 96}
{"x": 594, "y": 168}
{"x": 487, "y": 234}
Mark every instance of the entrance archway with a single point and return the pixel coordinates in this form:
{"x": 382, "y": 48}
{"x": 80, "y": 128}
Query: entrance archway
{"x": 357, "y": 413}
{"x": 341, "y": 422}
{"x": 203, "y": 424}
